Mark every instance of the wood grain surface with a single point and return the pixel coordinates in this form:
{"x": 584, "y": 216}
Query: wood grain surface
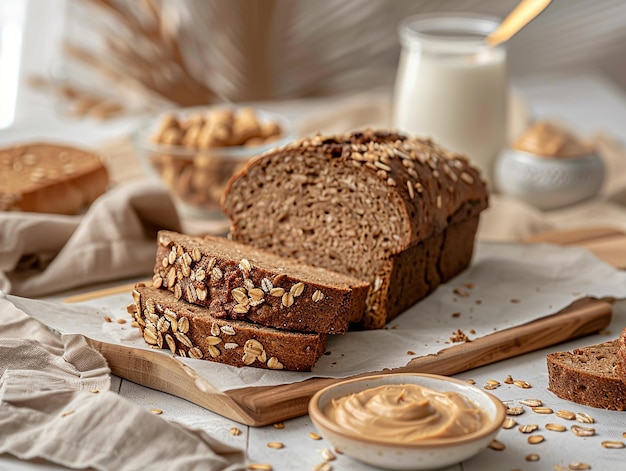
{"x": 258, "y": 406}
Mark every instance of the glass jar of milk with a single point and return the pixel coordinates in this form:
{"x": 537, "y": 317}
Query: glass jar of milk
{"x": 452, "y": 86}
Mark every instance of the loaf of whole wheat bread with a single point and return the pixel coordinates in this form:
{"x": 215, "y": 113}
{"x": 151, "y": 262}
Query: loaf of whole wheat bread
{"x": 50, "y": 178}
{"x": 588, "y": 376}
{"x": 242, "y": 282}
{"x": 192, "y": 331}
{"x": 398, "y": 212}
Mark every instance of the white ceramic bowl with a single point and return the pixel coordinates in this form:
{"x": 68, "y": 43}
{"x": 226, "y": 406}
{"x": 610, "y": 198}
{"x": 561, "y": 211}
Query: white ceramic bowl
{"x": 429, "y": 454}
{"x": 196, "y": 177}
{"x": 548, "y": 182}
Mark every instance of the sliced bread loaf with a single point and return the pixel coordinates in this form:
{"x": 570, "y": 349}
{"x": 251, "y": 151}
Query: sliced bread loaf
{"x": 398, "y": 212}
{"x": 192, "y": 331}
{"x": 621, "y": 355}
{"x": 241, "y": 282}
{"x": 588, "y": 376}
{"x": 49, "y": 178}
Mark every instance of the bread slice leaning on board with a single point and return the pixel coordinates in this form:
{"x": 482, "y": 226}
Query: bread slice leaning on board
{"x": 400, "y": 213}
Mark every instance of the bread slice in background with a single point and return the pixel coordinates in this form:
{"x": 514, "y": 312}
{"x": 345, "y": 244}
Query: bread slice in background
{"x": 588, "y": 376}
{"x": 50, "y": 178}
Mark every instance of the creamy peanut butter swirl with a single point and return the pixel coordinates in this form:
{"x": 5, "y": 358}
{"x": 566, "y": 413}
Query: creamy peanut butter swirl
{"x": 406, "y": 413}
{"x": 549, "y": 140}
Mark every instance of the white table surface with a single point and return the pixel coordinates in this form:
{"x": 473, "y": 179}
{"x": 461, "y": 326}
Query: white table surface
{"x": 589, "y": 103}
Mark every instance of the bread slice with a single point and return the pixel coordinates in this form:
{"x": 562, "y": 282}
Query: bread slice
{"x": 621, "y": 356}
{"x": 50, "y": 178}
{"x": 588, "y": 376}
{"x": 398, "y": 212}
{"x": 241, "y": 282}
{"x": 192, "y": 331}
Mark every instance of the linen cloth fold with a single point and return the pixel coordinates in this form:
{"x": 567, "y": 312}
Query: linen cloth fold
{"x": 55, "y": 404}
{"x": 42, "y": 254}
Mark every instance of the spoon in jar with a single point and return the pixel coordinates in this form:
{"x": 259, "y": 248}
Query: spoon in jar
{"x": 521, "y": 15}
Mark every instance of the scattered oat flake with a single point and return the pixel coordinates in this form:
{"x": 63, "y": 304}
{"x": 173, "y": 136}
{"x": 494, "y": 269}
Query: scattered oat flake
{"x": 469, "y": 285}
{"x": 121, "y": 321}
{"x": 532, "y": 457}
{"x": 107, "y": 319}
{"x": 605, "y": 332}
{"x": 66, "y": 413}
{"x": 156, "y": 411}
{"x": 327, "y": 454}
{"x": 279, "y": 425}
{"x": 95, "y": 391}
{"x": 508, "y": 379}
{"x": 578, "y": 465}
{"x": 497, "y": 445}
{"x": 509, "y": 423}
{"x": 456, "y": 314}
{"x": 471, "y": 381}
{"x": 260, "y": 467}
{"x": 410, "y": 352}
{"x": 275, "y": 445}
{"x": 314, "y": 436}
{"x": 535, "y": 439}
{"x": 515, "y": 301}
{"x": 612, "y": 444}
{"x": 234, "y": 431}
{"x": 324, "y": 466}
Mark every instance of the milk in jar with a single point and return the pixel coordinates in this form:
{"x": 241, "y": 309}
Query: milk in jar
{"x": 452, "y": 86}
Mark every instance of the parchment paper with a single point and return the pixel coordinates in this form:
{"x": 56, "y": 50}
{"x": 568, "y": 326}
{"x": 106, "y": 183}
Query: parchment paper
{"x": 506, "y": 285}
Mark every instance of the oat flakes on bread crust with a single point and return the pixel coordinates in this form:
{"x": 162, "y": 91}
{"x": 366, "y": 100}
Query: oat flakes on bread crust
{"x": 398, "y": 212}
{"x": 588, "y": 376}
{"x": 50, "y": 178}
{"x": 242, "y": 282}
{"x": 191, "y": 331}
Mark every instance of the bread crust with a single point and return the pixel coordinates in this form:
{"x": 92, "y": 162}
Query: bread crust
{"x": 242, "y": 282}
{"x": 50, "y": 178}
{"x": 392, "y": 205}
{"x": 192, "y": 331}
{"x": 588, "y": 376}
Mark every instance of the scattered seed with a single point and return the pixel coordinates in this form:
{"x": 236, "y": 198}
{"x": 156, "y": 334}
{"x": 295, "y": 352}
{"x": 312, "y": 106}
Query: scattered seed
{"x": 528, "y": 428}
{"x": 565, "y": 414}
{"x": 234, "y": 431}
{"x": 497, "y": 445}
{"x": 275, "y": 445}
{"x": 156, "y": 411}
{"x": 490, "y": 387}
{"x": 107, "y": 319}
{"x": 584, "y": 418}
{"x": 542, "y": 410}
{"x": 514, "y": 410}
{"x": 279, "y": 425}
{"x": 493, "y": 382}
{"x": 522, "y": 384}
{"x": 534, "y": 439}
{"x": 470, "y": 381}
{"x": 556, "y": 427}
{"x": 314, "y": 436}
{"x": 578, "y": 465}
{"x": 508, "y": 380}
{"x": 532, "y": 457}
{"x": 612, "y": 444}
{"x": 581, "y": 431}
{"x": 509, "y": 423}
{"x": 531, "y": 402}
{"x": 327, "y": 454}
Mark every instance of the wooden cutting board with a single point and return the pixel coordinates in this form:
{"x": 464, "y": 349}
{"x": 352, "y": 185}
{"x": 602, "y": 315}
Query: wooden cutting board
{"x": 259, "y": 406}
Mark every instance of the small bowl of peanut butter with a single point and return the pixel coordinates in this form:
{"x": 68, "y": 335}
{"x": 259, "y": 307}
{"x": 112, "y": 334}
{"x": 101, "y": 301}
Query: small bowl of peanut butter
{"x": 407, "y": 421}
{"x": 195, "y": 151}
{"x": 549, "y": 168}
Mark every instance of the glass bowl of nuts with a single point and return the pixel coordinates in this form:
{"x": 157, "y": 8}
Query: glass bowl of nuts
{"x": 194, "y": 151}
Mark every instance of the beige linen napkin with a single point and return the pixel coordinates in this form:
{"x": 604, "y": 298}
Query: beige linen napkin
{"x": 46, "y": 253}
{"x": 55, "y": 405}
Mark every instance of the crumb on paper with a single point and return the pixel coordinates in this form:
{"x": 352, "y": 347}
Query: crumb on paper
{"x": 459, "y": 336}
{"x": 456, "y": 314}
